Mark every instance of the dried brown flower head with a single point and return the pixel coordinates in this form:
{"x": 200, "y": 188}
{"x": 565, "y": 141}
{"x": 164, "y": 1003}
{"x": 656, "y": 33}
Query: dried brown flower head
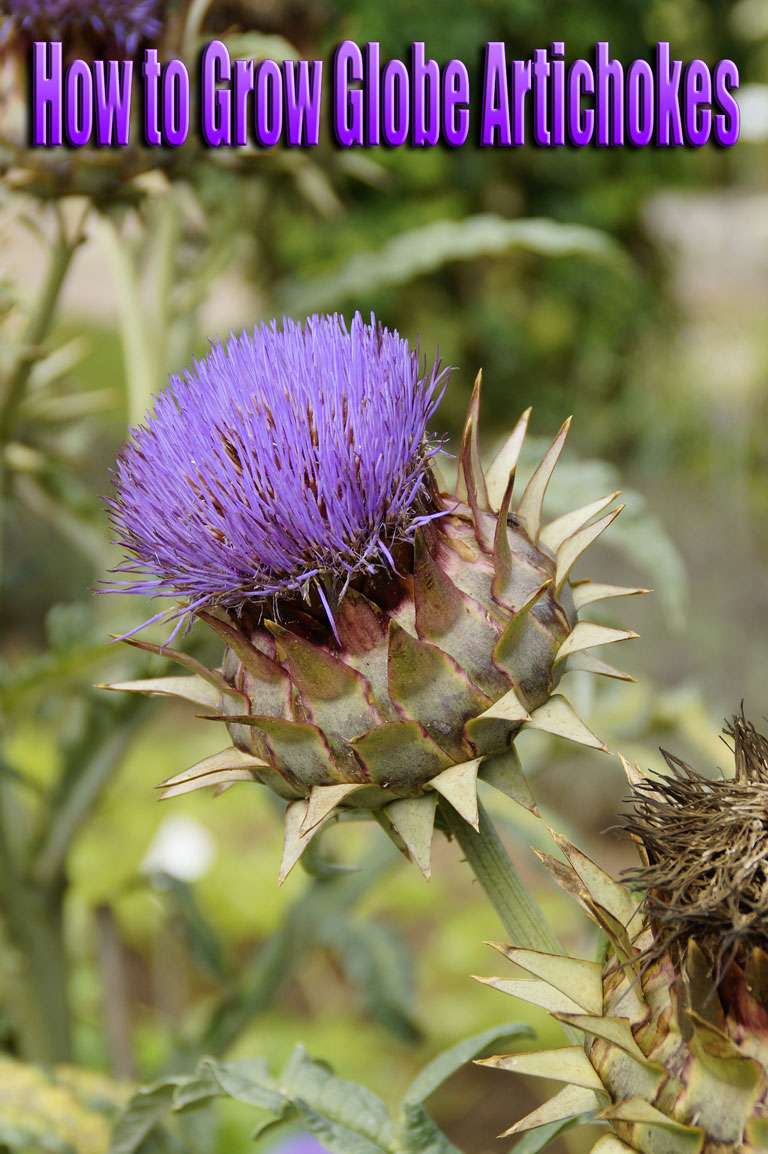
{"x": 704, "y": 844}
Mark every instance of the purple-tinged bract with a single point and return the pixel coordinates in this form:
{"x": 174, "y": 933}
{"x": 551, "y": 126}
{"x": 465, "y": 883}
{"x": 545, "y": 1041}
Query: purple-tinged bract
{"x": 123, "y": 24}
{"x": 285, "y": 458}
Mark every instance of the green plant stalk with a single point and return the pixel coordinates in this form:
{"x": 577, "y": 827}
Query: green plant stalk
{"x": 74, "y": 809}
{"x": 34, "y": 927}
{"x": 520, "y": 915}
{"x": 39, "y": 324}
{"x": 492, "y": 866}
{"x": 138, "y": 343}
{"x": 13, "y": 388}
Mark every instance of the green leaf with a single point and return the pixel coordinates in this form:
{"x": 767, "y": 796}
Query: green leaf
{"x": 422, "y": 250}
{"x": 206, "y": 951}
{"x": 248, "y": 1080}
{"x": 313, "y": 1087}
{"x": 141, "y": 1115}
{"x": 444, "y": 1065}
{"x": 420, "y": 1135}
{"x": 378, "y": 964}
{"x": 198, "y": 1089}
{"x": 335, "y": 1137}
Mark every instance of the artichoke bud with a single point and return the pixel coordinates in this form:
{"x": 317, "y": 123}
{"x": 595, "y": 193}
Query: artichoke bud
{"x": 405, "y": 667}
{"x": 675, "y": 1023}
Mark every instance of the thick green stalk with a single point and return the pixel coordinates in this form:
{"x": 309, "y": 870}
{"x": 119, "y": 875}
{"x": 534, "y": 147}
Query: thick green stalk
{"x": 492, "y": 866}
{"x": 33, "y": 923}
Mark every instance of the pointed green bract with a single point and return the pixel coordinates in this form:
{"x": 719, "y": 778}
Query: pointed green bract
{"x": 568, "y": 1103}
{"x": 558, "y": 717}
{"x": 585, "y": 635}
{"x": 296, "y": 838}
{"x": 569, "y": 1065}
{"x": 557, "y": 532}
{"x": 398, "y": 755}
{"x": 573, "y": 547}
{"x": 532, "y": 500}
{"x": 504, "y": 772}
{"x": 323, "y": 800}
{"x": 194, "y": 689}
{"x": 228, "y": 765}
{"x": 504, "y": 463}
{"x": 587, "y": 592}
{"x": 494, "y": 729}
{"x": 414, "y": 820}
{"x": 426, "y": 683}
{"x": 580, "y": 981}
{"x": 458, "y": 785}
{"x": 534, "y": 992}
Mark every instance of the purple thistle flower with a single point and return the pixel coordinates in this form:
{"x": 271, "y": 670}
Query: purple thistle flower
{"x": 122, "y": 23}
{"x": 285, "y": 460}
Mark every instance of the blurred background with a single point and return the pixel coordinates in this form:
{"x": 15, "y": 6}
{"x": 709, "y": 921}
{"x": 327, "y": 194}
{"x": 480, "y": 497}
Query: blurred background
{"x": 137, "y": 937}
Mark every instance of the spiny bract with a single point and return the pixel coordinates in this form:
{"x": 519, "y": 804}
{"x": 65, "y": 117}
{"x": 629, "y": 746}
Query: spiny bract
{"x": 385, "y": 640}
{"x": 676, "y": 1021}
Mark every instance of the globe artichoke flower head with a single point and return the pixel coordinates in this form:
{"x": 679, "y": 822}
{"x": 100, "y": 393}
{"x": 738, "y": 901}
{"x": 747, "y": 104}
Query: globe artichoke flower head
{"x": 385, "y": 640}
{"x": 676, "y": 1021}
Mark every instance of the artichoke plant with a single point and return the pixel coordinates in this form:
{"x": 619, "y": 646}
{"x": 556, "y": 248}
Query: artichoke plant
{"x": 676, "y": 1019}
{"x": 385, "y": 639}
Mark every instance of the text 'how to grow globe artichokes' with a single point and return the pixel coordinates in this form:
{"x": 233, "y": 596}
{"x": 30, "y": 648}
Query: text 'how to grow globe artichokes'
{"x": 676, "y": 1020}
{"x": 385, "y": 640}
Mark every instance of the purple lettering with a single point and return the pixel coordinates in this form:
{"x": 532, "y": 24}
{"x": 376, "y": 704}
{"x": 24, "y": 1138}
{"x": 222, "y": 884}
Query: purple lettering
{"x": 151, "y": 70}
{"x": 557, "y": 71}
{"x": 47, "y": 93}
{"x": 79, "y": 119}
{"x": 727, "y": 124}
{"x": 303, "y": 89}
{"x": 175, "y": 85}
{"x": 216, "y": 103}
{"x": 245, "y": 82}
{"x": 581, "y": 122}
{"x": 640, "y": 102}
{"x": 609, "y": 97}
{"x": 347, "y": 102}
{"x": 425, "y": 98}
{"x": 455, "y": 103}
{"x": 521, "y": 84}
{"x": 668, "y": 97}
{"x": 372, "y": 77}
{"x": 698, "y": 99}
{"x": 269, "y": 107}
{"x": 396, "y": 103}
{"x": 540, "y": 78}
{"x": 113, "y": 100}
{"x": 495, "y": 109}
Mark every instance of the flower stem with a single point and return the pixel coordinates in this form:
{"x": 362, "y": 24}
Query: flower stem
{"x": 39, "y": 323}
{"x": 13, "y": 387}
{"x": 35, "y": 973}
{"x": 492, "y": 866}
